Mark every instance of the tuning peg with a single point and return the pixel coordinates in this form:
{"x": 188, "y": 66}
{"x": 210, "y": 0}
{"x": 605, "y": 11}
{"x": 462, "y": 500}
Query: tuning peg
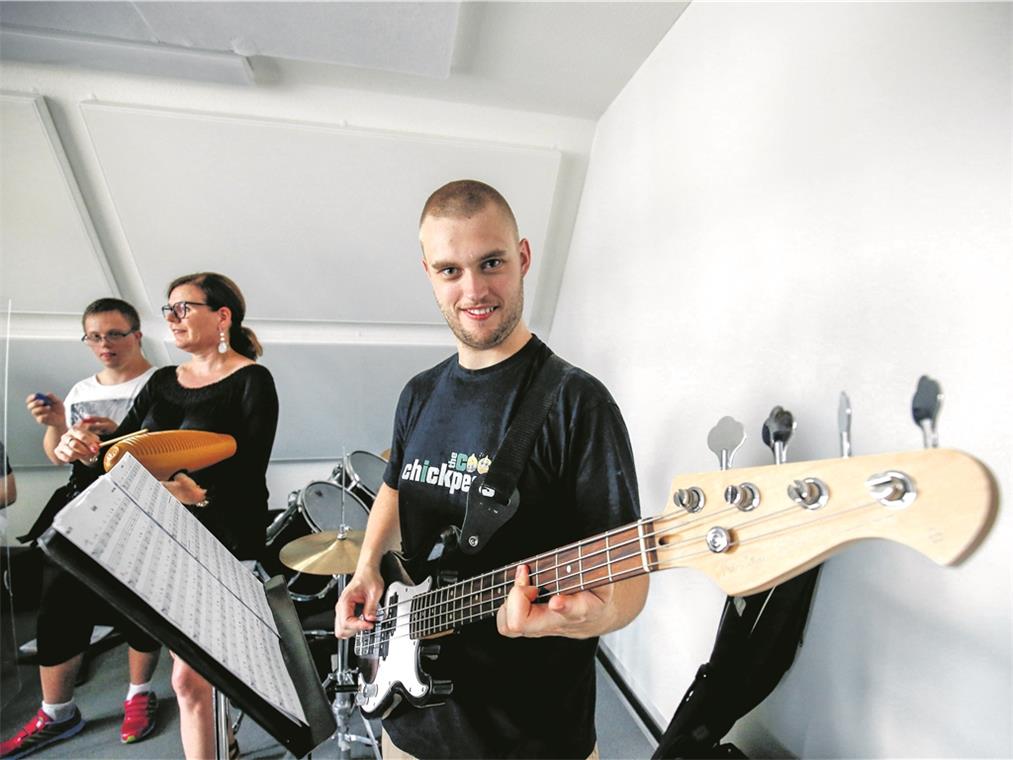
{"x": 925, "y": 405}
{"x": 777, "y": 431}
{"x": 844, "y": 424}
{"x": 724, "y": 440}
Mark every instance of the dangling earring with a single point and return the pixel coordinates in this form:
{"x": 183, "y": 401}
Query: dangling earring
{"x": 222, "y": 345}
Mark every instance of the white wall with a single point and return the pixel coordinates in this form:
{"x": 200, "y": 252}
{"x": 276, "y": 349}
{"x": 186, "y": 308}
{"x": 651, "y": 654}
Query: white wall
{"x": 788, "y": 201}
{"x": 340, "y": 339}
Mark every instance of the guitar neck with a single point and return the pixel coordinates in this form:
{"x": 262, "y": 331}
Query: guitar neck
{"x": 937, "y": 501}
{"x": 614, "y": 555}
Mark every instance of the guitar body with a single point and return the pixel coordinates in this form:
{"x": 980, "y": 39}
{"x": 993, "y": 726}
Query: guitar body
{"x": 389, "y": 658}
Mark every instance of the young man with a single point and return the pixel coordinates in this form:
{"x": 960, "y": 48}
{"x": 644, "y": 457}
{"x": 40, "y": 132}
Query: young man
{"x": 68, "y": 609}
{"x": 523, "y": 682}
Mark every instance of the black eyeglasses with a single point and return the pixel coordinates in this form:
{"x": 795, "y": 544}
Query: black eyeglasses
{"x": 180, "y": 308}
{"x": 113, "y": 336}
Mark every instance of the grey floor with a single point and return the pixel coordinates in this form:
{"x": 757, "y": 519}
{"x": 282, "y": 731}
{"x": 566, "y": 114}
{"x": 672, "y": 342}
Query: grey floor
{"x": 100, "y": 701}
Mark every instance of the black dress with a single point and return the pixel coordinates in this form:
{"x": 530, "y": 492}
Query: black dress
{"x": 244, "y": 405}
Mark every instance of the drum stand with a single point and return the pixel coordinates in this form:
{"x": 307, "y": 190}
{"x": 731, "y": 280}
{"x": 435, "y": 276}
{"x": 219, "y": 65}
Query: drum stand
{"x": 335, "y": 557}
{"x": 221, "y": 711}
{"x": 343, "y": 680}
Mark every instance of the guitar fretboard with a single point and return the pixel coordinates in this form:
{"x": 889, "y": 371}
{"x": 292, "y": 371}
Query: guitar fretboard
{"x": 596, "y": 561}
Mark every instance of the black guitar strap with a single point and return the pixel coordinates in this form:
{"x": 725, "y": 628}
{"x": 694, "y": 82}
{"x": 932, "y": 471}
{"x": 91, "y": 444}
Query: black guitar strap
{"x": 493, "y": 498}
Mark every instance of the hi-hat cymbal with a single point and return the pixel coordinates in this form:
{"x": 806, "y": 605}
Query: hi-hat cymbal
{"x": 323, "y": 553}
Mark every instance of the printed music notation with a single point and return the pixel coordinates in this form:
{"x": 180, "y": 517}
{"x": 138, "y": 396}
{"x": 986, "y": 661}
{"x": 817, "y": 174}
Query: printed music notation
{"x": 135, "y": 529}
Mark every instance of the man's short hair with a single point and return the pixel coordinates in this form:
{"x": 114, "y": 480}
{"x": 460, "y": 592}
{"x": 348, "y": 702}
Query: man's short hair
{"x": 103, "y": 305}
{"x": 463, "y": 199}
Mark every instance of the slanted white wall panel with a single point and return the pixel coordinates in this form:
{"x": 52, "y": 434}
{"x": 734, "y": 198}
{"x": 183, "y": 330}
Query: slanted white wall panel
{"x": 48, "y": 246}
{"x": 320, "y": 221}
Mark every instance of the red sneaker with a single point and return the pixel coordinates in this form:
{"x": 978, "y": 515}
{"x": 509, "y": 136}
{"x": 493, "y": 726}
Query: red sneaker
{"x": 138, "y": 717}
{"x": 39, "y": 732}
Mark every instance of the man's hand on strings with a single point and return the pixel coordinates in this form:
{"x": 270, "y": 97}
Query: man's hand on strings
{"x": 362, "y": 592}
{"x": 577, "y": 616}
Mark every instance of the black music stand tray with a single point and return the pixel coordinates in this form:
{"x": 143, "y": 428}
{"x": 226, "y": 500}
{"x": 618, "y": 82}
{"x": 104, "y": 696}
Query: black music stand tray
{"x": 298, "y": 739}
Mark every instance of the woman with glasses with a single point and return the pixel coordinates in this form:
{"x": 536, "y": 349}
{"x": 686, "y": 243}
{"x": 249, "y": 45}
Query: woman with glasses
{"x": 221, "y": 389}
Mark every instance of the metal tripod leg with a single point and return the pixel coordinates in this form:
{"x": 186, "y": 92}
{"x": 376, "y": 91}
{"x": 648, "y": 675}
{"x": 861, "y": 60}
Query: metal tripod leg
{"x": 343, "y": 705}
{"x": 221, "y": 710}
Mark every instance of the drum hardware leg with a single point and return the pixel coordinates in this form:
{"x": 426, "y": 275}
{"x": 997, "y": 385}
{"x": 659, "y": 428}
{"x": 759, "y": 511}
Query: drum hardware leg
{"x": 221, "y": 713}
{"x": 279, "y": 523}
{"x": 261, "y": 572}
{"x": 343, "y": 680}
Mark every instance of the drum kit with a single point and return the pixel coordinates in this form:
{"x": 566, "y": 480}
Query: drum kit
{"x": 320, "y": 535}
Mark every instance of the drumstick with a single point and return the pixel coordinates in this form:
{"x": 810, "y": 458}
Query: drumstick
{"x": 121, "y": 438}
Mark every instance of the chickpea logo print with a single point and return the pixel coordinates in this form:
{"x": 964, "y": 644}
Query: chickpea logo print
{"x": 455, "y": 474}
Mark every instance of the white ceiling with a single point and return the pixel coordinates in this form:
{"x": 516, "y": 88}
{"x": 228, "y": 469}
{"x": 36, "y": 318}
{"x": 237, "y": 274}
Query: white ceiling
{"x": 569, "y": 58}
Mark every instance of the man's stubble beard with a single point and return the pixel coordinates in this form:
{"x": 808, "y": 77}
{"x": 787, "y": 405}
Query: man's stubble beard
{"x": 511, "y": 319}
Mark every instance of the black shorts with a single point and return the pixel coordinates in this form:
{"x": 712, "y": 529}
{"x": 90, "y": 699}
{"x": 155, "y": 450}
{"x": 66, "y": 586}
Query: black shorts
{"x": 68, "y": 612}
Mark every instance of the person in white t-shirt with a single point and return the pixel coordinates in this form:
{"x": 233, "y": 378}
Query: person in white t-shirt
{"x": 68, "y": 609}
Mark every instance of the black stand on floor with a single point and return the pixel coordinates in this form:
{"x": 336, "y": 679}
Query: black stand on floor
{"x": 299, "y": 739}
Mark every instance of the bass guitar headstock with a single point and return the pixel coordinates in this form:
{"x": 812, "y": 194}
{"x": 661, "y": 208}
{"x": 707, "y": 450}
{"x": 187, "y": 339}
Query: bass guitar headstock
{"x": 752, "y": 528}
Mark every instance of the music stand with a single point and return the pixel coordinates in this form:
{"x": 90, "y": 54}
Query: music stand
{"x": 299, "y": 739}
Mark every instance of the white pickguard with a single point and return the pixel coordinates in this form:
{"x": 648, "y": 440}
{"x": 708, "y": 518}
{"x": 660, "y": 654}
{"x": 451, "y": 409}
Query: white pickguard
{"x": 401, "y": 665}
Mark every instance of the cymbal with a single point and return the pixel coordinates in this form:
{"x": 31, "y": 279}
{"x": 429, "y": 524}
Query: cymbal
{"x": 323, "y": 553}
{"x": 385, "y": 455}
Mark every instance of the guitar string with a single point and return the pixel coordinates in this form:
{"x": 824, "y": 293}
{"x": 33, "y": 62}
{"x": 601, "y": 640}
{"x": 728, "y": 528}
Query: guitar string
{"x": 439, "y": 609}
{"x": 506, "y": 582}
{"x": 436, "y": 608}
{"x": 578, "y": 586}
{"x": 436, "y": 605}
{"x": 630, "y": 572}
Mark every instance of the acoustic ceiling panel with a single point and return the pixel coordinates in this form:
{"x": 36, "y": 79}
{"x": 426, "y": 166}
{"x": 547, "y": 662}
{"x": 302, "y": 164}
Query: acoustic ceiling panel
{"x": 104, "y": 19}
{"x": 48, "y": 246}
{"x": 406, "y": 37}
{"x": 328, "y": 214}
{"x": 338, "y": 396}
{"x": 412, "y": 38}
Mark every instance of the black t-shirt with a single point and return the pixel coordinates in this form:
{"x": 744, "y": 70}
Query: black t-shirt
{"x": 244, "y": 405}
{"x": 512, "y": 697}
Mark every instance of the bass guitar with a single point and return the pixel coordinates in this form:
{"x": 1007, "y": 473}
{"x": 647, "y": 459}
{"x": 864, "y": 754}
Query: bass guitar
{"x": 748, "y": 529}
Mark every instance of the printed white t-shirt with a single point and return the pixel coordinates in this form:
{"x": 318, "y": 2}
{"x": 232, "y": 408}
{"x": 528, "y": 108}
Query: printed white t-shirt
{"x": 89, "y": 398}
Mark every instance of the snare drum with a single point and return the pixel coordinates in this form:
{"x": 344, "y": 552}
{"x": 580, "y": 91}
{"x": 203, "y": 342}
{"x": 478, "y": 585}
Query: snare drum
{"x": 363, "y": 476}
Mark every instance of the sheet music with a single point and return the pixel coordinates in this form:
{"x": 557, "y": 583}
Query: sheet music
{"x": 133, "y": 527}
{"x": 178, "y": 522}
